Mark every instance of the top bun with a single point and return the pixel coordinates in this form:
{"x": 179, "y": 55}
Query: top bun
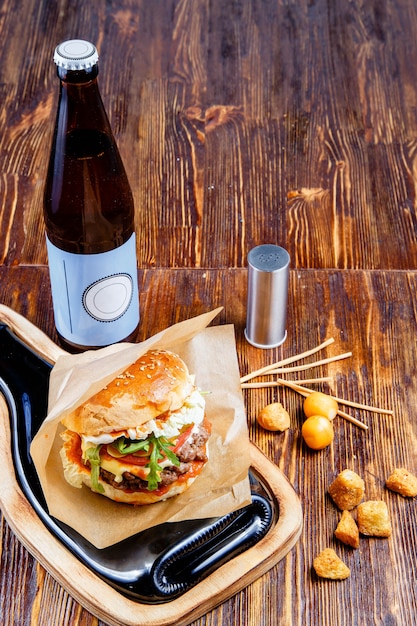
{"x": 157, "y": 382}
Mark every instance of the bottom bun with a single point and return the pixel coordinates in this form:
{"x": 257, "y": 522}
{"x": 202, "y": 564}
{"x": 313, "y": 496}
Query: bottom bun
{"x": 77, "y": 474}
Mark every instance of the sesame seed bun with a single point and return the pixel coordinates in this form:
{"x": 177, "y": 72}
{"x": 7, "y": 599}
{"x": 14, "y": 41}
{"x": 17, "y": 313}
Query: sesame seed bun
{"x": 157, "y": 382}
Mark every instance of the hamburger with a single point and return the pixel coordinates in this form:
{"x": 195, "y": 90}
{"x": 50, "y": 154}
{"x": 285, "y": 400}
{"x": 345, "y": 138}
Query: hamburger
{"x": 141, "y": 439}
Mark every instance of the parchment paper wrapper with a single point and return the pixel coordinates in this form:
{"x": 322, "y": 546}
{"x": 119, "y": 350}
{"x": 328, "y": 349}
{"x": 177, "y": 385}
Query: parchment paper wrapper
{"x": 222, "y": 487}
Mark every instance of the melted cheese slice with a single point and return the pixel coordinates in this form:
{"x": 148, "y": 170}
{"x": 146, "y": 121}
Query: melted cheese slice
{"x": 118, "y": 468}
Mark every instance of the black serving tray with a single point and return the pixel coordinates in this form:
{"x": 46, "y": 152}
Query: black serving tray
{"x": 169, "y": 575}
{"x": 157, "y": 565}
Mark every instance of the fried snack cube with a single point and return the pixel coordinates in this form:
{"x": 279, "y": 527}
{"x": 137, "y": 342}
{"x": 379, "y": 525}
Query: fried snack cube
{"x": 347, "y": 490}
{"x": 328, "y": 565}
{"x": 347, "y": 530}
{"x": 374, "y": 519}
{"x": 403, "y": 482}
{"x": 274, "y": 417}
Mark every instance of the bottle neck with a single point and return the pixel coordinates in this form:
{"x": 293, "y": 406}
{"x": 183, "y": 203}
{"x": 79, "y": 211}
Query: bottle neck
{"x": 80, "y": 104}
{"x": 77, "y": 77}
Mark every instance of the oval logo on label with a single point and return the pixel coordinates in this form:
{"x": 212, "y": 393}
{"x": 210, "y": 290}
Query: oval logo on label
{"x": 109, "y": 298}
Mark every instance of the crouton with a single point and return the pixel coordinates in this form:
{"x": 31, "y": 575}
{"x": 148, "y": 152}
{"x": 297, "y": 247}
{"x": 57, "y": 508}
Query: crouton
{"x": 274, "y": 417}
{"x": 373, "y": 519}
{"x": 403, "y": 482}
{"x": 347, "y": 530}
{"x": 347, "y": 490}
{"x": 328, "y": 565}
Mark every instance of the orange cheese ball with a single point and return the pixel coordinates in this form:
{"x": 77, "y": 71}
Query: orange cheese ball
{"x": 317, "y": 432}
{"x": 318, "y": 403}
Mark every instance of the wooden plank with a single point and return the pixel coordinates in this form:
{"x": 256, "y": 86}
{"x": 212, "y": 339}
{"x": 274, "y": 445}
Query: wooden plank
{"x": 373, "y": 314}
{"x": 220, "y": 111}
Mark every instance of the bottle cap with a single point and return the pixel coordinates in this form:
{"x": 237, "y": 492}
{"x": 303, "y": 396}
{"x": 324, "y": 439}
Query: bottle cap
{"x": 268, "y": 270}
{"x": 76, "y": 54}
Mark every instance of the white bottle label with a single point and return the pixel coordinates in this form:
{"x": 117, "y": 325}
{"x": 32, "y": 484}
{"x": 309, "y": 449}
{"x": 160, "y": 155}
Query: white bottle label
{"x": 95, "y": 296}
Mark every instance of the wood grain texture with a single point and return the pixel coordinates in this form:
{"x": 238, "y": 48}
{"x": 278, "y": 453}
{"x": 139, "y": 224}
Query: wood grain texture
{"x": 240, "y": 123}
{"x": 370, "y": 313}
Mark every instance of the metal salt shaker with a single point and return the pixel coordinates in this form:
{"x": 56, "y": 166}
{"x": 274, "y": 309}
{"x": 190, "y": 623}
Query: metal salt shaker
{"x": 268, "y": 271}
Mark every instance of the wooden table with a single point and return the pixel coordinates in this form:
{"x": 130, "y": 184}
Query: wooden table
{"x": 243, "y": 123}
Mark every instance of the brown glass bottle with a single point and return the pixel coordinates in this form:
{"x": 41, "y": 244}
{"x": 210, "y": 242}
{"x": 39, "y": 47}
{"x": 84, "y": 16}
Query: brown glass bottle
{"x": 88, "y": 212}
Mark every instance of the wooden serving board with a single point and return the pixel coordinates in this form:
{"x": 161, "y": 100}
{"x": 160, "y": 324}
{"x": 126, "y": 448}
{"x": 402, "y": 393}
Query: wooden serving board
{"x": 91, "y": 591}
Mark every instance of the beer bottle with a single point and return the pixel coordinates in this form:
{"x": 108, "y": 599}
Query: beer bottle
{"x": 89, "y": 213}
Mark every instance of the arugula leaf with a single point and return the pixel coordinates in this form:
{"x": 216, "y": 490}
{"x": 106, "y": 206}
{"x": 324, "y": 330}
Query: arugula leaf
{"x": 159, "y": 445}
{"x": 165, "y": 446}
{"x": 154, "y": 476}
{"x": 126, "y": 446}
{"x": 93, "y": 455}
{"x": 157, "y": 448}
